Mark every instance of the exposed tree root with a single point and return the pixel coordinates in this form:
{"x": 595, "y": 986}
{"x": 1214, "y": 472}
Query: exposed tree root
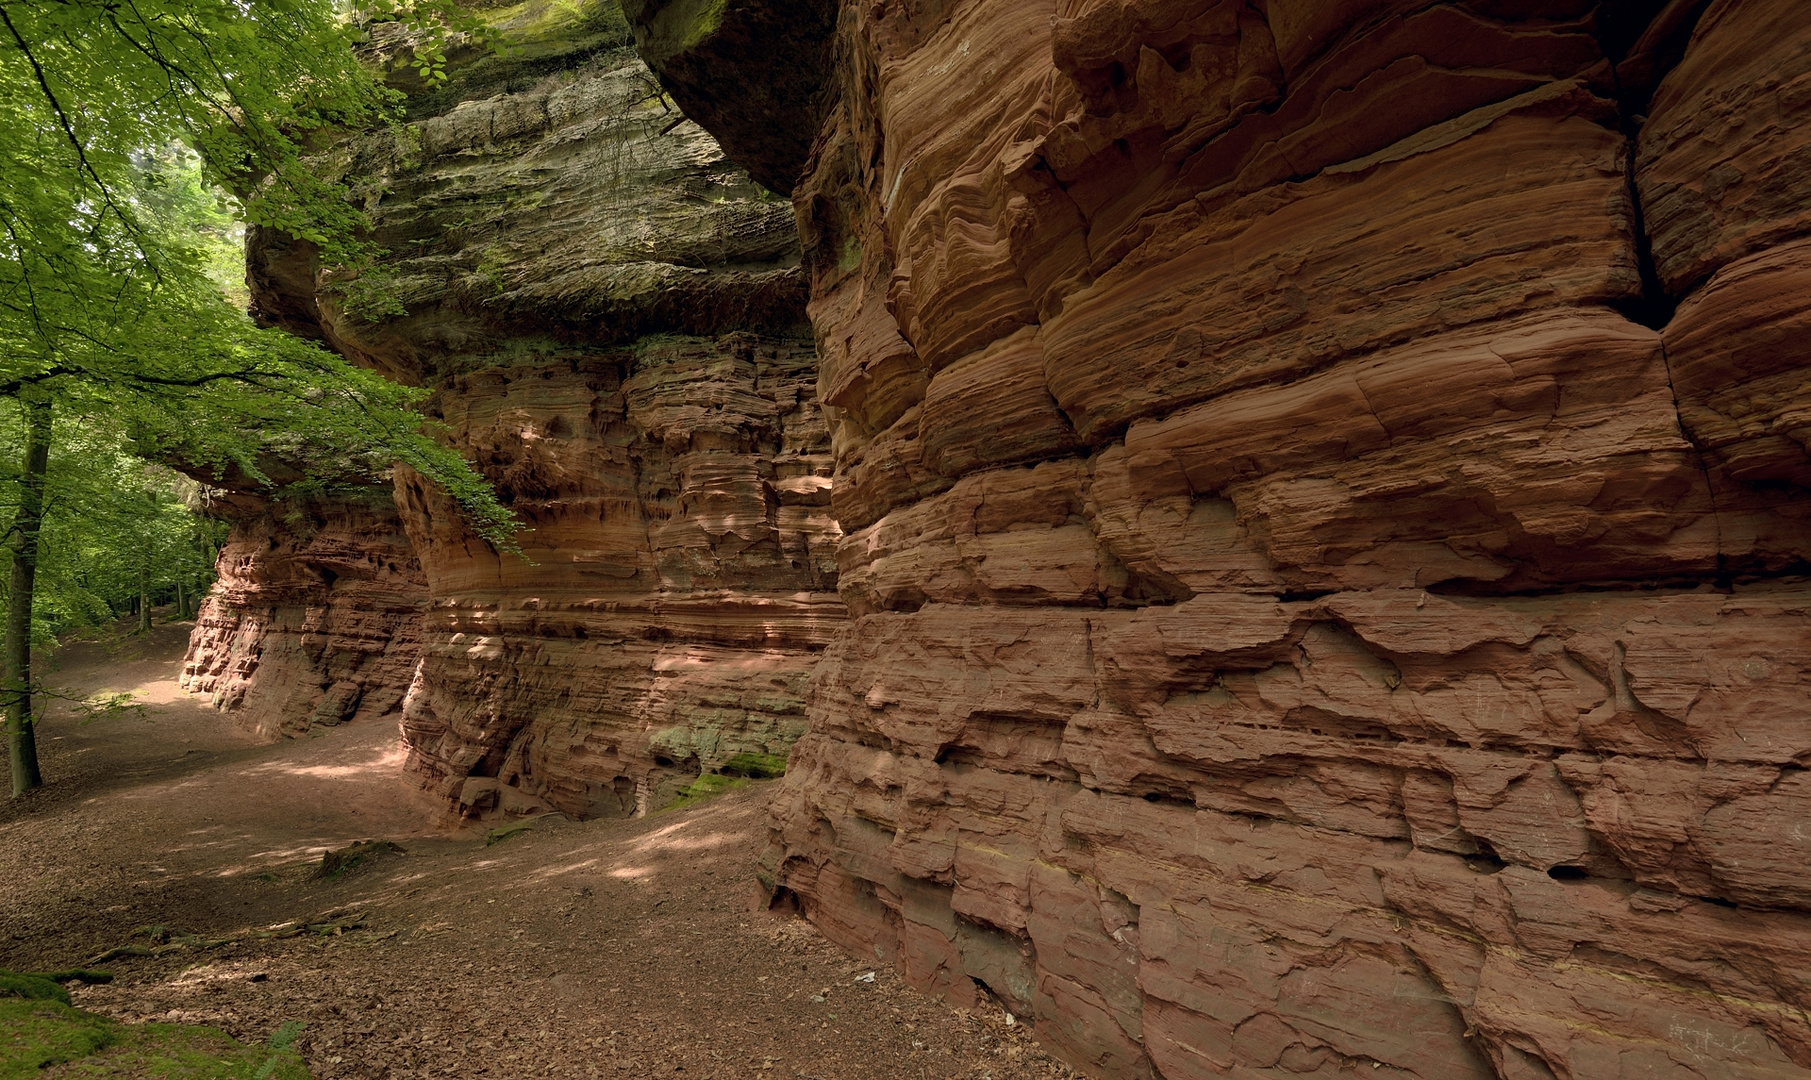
{"x": 327, "y": 924}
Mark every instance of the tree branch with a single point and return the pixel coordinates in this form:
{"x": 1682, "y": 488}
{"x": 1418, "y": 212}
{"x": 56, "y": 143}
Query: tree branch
{"x": 56, "y": 106}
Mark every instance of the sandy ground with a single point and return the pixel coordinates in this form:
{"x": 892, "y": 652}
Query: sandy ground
{"x": 609, "y": 948}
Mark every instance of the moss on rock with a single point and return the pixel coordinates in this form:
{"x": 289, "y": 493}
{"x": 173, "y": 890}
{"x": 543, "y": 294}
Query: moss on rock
{"x": 756, "y": 766}
{"x": 38, "y": 1034}
{"x": 708, "y": 786}
{"x": 537, "y": 38}
{"x": 702, "y": 24}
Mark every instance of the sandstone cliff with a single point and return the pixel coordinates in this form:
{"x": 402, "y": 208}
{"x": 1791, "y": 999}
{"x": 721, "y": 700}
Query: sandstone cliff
{"x": 1325, "y": 494}
{"x": 316, "y": 616}
{"x": 609, "y": 318}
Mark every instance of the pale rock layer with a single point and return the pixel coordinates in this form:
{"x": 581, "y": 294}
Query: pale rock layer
{"x": 1324, "y": 489}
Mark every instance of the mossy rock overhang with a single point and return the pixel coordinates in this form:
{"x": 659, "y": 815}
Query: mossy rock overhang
{"x": 537, "y": 38}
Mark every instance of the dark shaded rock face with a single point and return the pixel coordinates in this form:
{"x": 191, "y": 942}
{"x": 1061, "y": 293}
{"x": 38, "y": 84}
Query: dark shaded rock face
{"x": 609, "y": 319}
{"x": 316, "y": 617}
{"x": 1325, "y": 495}
{"x": 548, "y": 204}
{"x": 754, "y": 74}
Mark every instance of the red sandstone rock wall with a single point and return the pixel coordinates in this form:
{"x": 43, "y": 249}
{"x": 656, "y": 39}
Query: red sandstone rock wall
{"x": 315, "y": 618}
{"x": 610, "y": 319}
{"x": 1325, "y": 487}
{"x": 682, "y": 581}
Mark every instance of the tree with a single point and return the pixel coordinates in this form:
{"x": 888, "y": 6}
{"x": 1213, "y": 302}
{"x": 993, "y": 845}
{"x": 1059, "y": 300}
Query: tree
{"x": 112, "y": 525}
{"x": 128, "y": 122}
{"x": 22, "y": 544}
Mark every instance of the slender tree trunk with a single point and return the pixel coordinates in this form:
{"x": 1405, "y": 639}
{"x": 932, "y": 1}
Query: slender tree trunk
{"x": 182, "y": 599}
{"x": 22, "y": 543}
{"x": 144, "y": 595}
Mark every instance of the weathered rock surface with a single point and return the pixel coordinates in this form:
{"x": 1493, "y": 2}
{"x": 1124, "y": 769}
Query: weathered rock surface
{"x": 316, "y": 616}
{"x": 609, "y": 318}
{"x": 682, "y": 581}
{"x": 768, "y": 119}
{"x": 1325, "y": 493}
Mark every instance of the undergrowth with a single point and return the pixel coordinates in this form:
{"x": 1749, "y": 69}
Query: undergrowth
{"x": 705, "y": 787}
{"x": 44, "y": 1037}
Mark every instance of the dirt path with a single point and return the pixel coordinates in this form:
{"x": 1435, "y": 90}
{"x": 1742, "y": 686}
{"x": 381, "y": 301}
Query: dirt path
{"x": 591, "y": 949}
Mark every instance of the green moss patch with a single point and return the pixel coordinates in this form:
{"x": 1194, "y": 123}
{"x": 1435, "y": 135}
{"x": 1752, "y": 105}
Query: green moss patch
{"x": 540, "y": 38}
{"x": 703, "y": 24}
{"x": 755, "y": 766}
{"x": 38, "y": 1033}
{"x": 505, "y": 832}
{"x": 705, "y": 787}
{"x": 733, "y": 773}
{"x": 558, "y": 23}
{"x": 31, "y": 987}
{"x": 46, "y": 985}
{"x": 45, "y": 1038}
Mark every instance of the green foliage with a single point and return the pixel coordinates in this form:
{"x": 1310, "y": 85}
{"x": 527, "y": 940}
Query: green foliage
{"x": 138, "y": 136}
{"x": 756, "y": 766}
{"x": 38, "y": 1034}
{"x": 134, "y": 137}
{"x": 286, "y": 1034}
{"x": 246, "y": 86}
{"x": 112, "y": 523}
{"x": 437, "y": 22}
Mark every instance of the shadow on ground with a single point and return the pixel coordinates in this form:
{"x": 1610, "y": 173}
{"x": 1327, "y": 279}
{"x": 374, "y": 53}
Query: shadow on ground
{"x": 610, "y": 948}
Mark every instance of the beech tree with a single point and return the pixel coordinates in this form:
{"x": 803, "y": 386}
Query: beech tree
{"x": 118, "y": 534}
{"x": 126, "y": 126}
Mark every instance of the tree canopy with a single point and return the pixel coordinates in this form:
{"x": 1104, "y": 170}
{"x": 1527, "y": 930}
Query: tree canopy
{"x": 133, "y": 136}
{"x": 116, "y": 528}
{"x": 133, "y": 115}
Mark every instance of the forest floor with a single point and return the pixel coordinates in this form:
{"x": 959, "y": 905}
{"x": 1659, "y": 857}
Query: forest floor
{"x": 569, "y": 949}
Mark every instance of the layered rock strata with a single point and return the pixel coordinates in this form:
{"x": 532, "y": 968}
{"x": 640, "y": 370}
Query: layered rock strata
{"x": 315, "y": 618}
{"x": 681, "y": 584}
{"x": 609, "y": 320}
{"x": 1325, "y": 493}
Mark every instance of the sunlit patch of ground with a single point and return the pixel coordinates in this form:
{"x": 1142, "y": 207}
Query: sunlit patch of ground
{"x": 384, "y": 763}
{"x": 620, "y": 949}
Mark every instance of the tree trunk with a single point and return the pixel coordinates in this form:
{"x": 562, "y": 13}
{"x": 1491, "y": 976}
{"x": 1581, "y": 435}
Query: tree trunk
{"x": 22, "y": 543}
{"x": 182, "y": 599}
{"x": 144, "y": 596}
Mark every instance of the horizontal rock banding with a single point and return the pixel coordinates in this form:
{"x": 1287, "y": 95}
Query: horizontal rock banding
{"x": 608, "y": 320}
{"x": 316, "y": 617}
{"x": 677, "y": 586}
{"x": 1317, "y": 603}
